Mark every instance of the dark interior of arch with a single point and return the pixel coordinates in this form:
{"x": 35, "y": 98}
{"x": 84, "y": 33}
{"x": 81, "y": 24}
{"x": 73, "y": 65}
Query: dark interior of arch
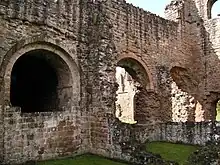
{"x": 34, "y": 82}
{"x": 136, "y": 70}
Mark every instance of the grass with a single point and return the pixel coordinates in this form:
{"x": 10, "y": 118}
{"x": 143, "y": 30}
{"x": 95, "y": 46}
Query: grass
{"x": 173, "y": 152}
{"x": 82, "y": 160}
{"x": 218, "y": 111}
{"x": 168, "y": 151}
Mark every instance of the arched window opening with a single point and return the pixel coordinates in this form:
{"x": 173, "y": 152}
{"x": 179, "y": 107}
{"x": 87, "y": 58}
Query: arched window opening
{"x": 218, "y": 111}
{"x": 213, "y": 7}
{"x": 125, "y": 96}
{"x": 37, "y": 79}
{"x": 131, "y": 78}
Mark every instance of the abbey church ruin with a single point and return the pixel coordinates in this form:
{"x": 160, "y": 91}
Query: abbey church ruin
{"x": 85, "y": 76}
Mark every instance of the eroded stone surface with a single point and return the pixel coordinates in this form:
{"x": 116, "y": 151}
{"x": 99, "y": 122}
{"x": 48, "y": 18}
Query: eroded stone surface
{"x": 92, "y": 38}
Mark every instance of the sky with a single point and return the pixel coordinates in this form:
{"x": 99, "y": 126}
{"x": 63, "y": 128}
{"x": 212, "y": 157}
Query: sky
{"x": 158, "y": 6}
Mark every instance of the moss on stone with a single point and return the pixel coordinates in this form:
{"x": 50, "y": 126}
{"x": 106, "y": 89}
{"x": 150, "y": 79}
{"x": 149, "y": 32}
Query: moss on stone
{"x": 206, "y": 155}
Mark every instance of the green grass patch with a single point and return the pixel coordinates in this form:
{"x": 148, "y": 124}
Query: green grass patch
{"x": 170, "y": 151}
{"x": 218, "y": 111}
{"x": 82, "y": 160}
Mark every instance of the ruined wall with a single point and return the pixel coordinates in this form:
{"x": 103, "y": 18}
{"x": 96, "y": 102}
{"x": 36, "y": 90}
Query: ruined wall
{"x": 157, "y": 45}
{"x": 206, "y": 32}
{"x": 183, "y": 105}
{"x": 175, "y": 132}
{"x": 204, "y": 8}
{"x": 203, "y": 57}
{"x": 149, "y": 41}
{"x": 188, "y": 133}
{"x": 212, "y": 27}
{"x": 53, "y": 26}
{"x": 93, "y": 37}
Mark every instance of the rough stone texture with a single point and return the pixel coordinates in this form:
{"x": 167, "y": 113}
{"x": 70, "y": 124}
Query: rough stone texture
{"x": 26, "y": 26}
{"x": 183, "y": 105}
{"x": 188, "y": 132}
{"x": 92, "y": 38}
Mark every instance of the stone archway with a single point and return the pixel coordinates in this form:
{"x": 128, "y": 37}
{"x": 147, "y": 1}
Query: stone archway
{"x": 133, "y": 81}
{"x": 59, "y": 77}
{"x": 37, "y": 81}
{"x": 54, "y": 55}
{"x": 142, "y": 64}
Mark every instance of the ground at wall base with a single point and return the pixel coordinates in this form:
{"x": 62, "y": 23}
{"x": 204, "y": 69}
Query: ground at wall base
{"x": 173, "y": 152}
{"x": 87, "y": 159}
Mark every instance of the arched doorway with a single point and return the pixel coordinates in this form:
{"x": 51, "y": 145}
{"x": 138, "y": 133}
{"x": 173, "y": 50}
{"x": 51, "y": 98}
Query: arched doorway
{"x": 131, "y": 78}
{"x": 127, "y": 88}
{"x": 38, "y": 77}
{"x": 39, "y": 93}
{"x": 36, "y": 80}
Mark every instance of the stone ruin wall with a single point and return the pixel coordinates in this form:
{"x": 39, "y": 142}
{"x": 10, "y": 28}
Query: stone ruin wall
{"x": 158, "y": 45}
{"x": 52, "y": 26}
{"x": 192, "y": 44}
{"x": 96, "y": 37}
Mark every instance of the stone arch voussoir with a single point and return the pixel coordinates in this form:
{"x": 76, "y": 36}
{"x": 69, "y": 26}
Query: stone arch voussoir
{"x": 35, "y": 43}
{"x": 147, "y": 70}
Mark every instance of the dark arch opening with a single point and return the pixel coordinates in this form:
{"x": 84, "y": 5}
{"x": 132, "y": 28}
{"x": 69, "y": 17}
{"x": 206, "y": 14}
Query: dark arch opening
{"x": 35, "y": 80}
{"x": 212, "y": 7}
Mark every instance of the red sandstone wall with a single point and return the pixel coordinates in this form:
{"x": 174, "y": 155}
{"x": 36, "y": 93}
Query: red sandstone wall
{"x": 158, "y": 45}
{"x": 96, "y": 35}
{"x": 41, "y": 135}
